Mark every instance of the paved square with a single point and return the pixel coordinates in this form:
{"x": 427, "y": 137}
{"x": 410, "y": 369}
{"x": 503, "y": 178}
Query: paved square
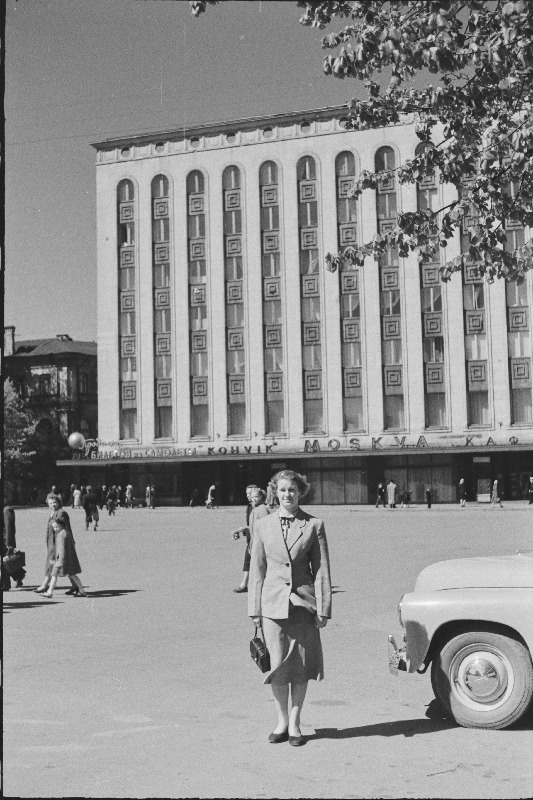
{"x": 147, "y": 689}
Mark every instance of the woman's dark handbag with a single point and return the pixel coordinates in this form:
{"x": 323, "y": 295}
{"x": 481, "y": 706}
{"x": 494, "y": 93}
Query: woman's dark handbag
{"x": 259, "y": 652}
{"x": 14, "y": 562}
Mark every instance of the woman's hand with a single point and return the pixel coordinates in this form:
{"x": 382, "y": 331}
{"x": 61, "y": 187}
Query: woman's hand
{"x": 257, "y": 620}
{"x": 321, "y": 622}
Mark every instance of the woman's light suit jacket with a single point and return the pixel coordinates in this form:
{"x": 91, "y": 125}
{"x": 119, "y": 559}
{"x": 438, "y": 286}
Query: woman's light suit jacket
{"x": 300, "y": 565}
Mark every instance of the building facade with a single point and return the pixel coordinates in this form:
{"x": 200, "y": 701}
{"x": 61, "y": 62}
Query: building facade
{"x": 227, "y": 350}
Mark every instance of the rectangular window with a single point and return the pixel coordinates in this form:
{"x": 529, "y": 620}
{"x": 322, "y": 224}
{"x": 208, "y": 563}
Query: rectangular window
{"x": 478, "y": 408}
{"x": 394, "y": 411}
{"x": 237, "y": 419}
{"x": 163, "y": 422}
{"x": 521, "y": 407}
{"x": 199, "y": 420}
{"x": 435, "y": 409}
{"x": 275, "y": 422}
{"x": 313, "y": 416}
{"x": 128, "y": 423}
{"x": 353, "y": 414}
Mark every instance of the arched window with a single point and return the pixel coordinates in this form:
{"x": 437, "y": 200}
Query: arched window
{"x": 232, "y": 204}
{"x": 196, "y": 212}
{"x": 269, "y": 198}
{"x": 310, "y": 295}
{"x": 391, "y": 320}
{"x": 127, "y": 299}
{"x": 163, "y": 349}
{"x": 431, "y": 290}
{"x": 352, "y": 388}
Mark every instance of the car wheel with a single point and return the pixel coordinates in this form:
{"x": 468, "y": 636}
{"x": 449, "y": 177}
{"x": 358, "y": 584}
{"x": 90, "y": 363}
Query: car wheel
{"x": 483, "y": 679}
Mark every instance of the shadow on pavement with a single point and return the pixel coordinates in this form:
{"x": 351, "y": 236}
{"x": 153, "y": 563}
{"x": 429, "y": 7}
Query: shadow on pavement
{"x": 35, "y": 604}
{"x": 111, "y": 592}
{"x": 407, "y": 728}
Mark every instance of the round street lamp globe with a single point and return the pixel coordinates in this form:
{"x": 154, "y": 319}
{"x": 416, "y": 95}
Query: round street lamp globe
{"x": 76, "y": 441}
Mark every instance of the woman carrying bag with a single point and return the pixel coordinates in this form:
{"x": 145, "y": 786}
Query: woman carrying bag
{"x": 289, "y": 596}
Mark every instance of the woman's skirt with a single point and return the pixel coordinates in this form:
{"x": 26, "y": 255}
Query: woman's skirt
{"x": 295, "y": 648}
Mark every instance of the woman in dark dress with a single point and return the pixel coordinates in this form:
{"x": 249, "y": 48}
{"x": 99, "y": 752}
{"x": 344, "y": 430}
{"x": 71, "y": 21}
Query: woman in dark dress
{"x": 289, "y": 594}
{"x": 54, "y": 503}
{"x": 66, "y": 561}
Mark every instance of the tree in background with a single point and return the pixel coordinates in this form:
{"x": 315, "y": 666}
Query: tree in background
{"x": 19, "y": 426}
{"x": 476, "y": 119}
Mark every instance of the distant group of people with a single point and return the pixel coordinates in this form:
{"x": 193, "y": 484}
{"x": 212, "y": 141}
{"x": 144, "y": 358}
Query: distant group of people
{"x": 109, "y": 497}
{"x": 390, "y": 496}
{"x": 210, "y": 500}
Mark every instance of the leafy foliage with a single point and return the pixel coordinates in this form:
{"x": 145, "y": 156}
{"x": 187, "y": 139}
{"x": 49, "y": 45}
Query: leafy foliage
{"x": 19, "y": 426}
{"x": 476, "y": 118}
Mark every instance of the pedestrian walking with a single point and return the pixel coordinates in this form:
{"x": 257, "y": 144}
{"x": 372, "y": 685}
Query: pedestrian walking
{"x": 256, "y": 510}
{"x": 391, "y": 494}
{"x": 112, "y": 500}
{"x": 129, "y": 496}
{"x": 54, "y": 505}
{"x": 77, "y": 499}
{"x": 66, "y": 560}
{"x": 210, "y": 502}
{"x": 530, "y": 491}
{"x": 271, "y": 501}
{"x": 462, "y": 492}
{"x": 90, "y": 507}
{"x": 406, "y": 498}
{"x": 54, "y": 493}
{"x": 102, "y": 496}
{"x": 429, "y": 495}
{"x": 9, "y": 545}
{"x": 71, "y": 494}
{"x": 195, "y": 498}
{"x": 380, "y": 495}
{"x": 289, "y": 595}
{"x": 150, "y": 496}
{"x": 495, "y": 498}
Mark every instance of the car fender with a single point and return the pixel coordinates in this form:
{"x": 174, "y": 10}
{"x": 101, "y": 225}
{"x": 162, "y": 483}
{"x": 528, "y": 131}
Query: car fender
{"x": 425, "y": 613}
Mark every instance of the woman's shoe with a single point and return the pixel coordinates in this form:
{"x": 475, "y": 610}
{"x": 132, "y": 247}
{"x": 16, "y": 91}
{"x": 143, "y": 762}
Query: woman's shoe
{"x": 241, "y": 589}
{"x": 296, "y": 741}
{"x": 39, "y": 591}
{"x": 73, "y": 590}
{"x": 48, "y": 594}
{"x": 81, "y": 594}
{"x": 276, "y": 738}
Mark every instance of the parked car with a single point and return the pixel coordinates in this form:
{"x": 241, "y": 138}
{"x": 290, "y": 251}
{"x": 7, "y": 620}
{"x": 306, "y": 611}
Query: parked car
{"x": 471, "y": 619}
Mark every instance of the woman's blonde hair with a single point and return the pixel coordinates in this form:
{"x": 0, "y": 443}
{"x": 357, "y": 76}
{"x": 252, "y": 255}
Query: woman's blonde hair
{"x": 290, "y": 475}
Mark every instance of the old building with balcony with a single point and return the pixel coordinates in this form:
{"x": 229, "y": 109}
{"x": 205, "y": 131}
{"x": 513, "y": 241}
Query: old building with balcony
{"x": 57, "y": 379}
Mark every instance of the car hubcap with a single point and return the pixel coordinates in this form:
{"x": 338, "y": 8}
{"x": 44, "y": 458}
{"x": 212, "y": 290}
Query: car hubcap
{"x": 481, "y": 678}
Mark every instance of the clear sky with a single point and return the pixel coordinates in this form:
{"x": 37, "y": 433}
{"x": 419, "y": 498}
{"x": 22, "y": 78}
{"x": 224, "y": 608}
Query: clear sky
{"x": 82, "y": 70}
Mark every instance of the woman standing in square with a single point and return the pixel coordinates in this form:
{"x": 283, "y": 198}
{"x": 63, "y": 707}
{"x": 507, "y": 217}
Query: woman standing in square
{"x": 289, "y": 594}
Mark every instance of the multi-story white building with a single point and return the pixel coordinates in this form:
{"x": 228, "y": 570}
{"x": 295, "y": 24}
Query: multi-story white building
{"x": 226, "y": 350}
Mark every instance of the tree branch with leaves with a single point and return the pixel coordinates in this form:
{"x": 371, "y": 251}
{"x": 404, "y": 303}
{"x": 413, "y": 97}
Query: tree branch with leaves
{"x": 476, "y": 117}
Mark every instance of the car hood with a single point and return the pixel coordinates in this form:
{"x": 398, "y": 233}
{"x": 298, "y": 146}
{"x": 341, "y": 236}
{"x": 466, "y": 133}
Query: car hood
{"x": 513, "y": 571}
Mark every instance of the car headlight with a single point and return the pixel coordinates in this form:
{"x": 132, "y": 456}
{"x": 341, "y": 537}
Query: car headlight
{"x": 400, "y": 610}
